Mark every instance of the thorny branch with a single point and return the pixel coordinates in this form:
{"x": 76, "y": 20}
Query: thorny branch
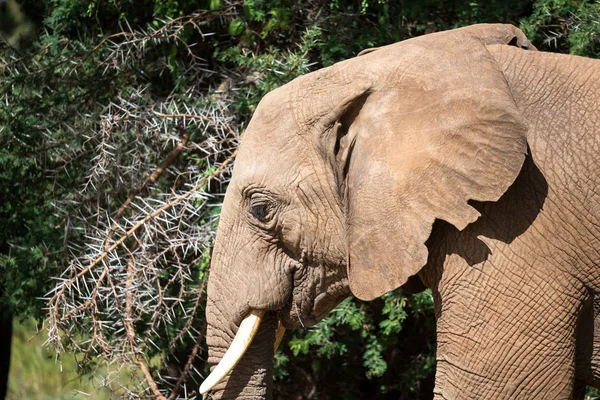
{"x": 154, "y": 214}
{"x": 171, "y": 29}
{"x": 131, "y": 297}
{"x": 171, "y": 157}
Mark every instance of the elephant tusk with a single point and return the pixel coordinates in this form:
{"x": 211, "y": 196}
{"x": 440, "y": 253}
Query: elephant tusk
{"x": 278, "y": 336}
{"x": 234, "y": 353}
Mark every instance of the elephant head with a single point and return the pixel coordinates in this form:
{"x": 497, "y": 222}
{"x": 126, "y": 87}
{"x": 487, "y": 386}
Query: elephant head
{"x": 338, "y": 180}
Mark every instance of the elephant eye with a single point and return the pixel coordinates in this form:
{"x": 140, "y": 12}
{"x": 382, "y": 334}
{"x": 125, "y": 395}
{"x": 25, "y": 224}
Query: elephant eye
{"x": 261, "y": 207}
{"x": 261, "y": 210}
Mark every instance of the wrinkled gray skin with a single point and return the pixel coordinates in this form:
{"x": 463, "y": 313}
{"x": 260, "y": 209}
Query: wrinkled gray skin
{"x": 342, "y": 173}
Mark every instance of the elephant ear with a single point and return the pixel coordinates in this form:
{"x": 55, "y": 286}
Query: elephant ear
{"x": 439, "y": 128}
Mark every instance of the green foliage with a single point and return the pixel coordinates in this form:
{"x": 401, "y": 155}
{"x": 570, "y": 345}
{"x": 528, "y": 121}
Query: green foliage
{"x": 372, "y": 333}
{"x": 267, "y": 71}
{"x": 592, "y": 394}
{"x": 569, "y": 26}
{"x": 43, "y": 161}
{"x": 15, "y": 27}
{"x": 354, "y": 26}
{"x": 72, "y": 17}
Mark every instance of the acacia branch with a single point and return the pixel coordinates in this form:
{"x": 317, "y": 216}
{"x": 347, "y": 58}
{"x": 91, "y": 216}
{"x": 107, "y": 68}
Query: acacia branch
{"x": 141, "y": 223}
{"x": 194, "y": 116}
{"x": 131, "y": 332}
{"x": 186, "y": 369}
{"x": 170, "y": 159}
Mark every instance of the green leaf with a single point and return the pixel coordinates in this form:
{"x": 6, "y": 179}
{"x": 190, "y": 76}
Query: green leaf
{"x": 236, "y": 27}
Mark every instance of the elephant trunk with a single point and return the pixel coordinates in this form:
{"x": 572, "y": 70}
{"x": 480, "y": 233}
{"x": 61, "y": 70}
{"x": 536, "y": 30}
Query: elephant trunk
{"x": 251, "y": 377}
{"x": 240, "y": 338}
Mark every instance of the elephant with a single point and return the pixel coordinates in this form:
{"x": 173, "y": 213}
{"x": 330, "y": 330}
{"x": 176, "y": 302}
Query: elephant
{"x": 465, "y": 160}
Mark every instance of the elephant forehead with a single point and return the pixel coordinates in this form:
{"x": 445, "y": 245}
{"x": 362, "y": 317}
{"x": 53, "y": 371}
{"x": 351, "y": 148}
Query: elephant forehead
{"x": 272, "y": 145}
{"x": 273, "y": 109}
{"x": 269, "y": 158}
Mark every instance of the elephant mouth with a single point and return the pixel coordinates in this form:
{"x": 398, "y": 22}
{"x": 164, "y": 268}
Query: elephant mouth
{"x": 298, "y": 311}
{"x": 311, "y": 299}
{"x": 312, "y": 296}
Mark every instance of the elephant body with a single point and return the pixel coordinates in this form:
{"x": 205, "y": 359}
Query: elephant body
{"x": 515, "y": 296}
{"x": 466, "y": 158}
